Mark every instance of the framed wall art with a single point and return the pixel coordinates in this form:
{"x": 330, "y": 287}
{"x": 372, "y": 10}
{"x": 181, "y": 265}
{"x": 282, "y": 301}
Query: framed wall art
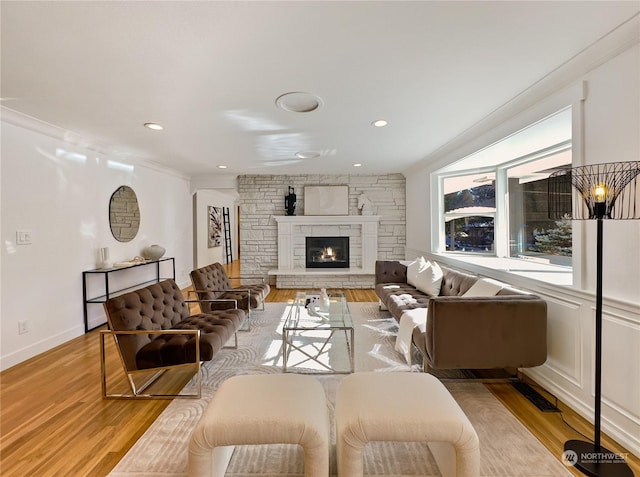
{"x": 326, "y": 200}
{"x": 215, "y": 227}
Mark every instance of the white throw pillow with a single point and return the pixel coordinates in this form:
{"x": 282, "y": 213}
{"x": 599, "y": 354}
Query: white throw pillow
{"x": 484, "y": 287}
{"x": 413, "y": 268}
{"x": 429, "y": 279}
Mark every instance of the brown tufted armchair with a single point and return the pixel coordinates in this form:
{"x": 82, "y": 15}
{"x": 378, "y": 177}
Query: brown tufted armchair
{"x": 153, "y": 329}
{"x": 213, "y": 288}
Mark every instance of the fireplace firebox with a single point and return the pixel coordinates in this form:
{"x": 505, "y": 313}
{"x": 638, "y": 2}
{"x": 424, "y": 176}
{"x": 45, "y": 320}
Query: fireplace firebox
{"x": 327, "y": 252}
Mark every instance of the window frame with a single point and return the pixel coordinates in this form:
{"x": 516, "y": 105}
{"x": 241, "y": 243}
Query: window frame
{"x": 573, "y": 99}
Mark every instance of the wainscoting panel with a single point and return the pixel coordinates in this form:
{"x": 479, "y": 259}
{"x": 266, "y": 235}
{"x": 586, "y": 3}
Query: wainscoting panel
{"x": 572, "y": 333}
{"x": 621, "y": 367}
{"x": 564, "y": 339}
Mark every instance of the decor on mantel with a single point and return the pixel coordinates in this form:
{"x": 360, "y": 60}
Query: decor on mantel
{"x": 596, "y": 192}
{"x": 153, "y": 252}
{"x": 290, "y": 202}
{"x": 326, "y": 200}
{"x": 215, "y": 227}
{"x": 365, "y": 205}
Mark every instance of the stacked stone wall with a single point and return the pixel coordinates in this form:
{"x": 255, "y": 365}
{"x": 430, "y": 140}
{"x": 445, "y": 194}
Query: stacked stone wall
{"x": 261, "y": 197}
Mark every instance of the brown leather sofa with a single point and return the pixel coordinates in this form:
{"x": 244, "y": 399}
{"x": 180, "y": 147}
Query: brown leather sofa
{"x": 154, "y": 328}
{"x": 508, "y": 330}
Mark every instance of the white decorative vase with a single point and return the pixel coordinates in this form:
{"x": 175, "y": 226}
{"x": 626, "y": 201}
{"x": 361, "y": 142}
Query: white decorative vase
{"x": 105, "y": 262}
{"x": 153, "y": 252}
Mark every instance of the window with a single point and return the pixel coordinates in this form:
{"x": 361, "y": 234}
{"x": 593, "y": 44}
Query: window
{"x": 469, "y": 212}
{"x": 494, "y": 202}
{"x": 532, "y": 234}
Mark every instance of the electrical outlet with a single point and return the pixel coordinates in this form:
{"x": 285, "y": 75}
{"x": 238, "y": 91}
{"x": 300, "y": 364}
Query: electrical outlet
{"x": 23, "y": 327}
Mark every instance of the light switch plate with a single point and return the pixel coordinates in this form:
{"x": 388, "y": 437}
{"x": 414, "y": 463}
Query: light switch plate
{"x": 24, "y": 237}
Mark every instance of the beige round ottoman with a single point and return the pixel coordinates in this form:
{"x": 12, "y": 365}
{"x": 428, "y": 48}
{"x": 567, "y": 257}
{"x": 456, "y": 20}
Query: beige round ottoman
{"x": 406, "y": 407}
{"x": 262, "y": 409}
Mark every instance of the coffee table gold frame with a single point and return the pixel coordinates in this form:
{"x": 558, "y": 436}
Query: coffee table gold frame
{"x": 302, "y": 319}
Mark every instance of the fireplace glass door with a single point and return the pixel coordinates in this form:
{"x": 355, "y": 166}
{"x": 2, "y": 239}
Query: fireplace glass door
{"x": 327, "y": 252}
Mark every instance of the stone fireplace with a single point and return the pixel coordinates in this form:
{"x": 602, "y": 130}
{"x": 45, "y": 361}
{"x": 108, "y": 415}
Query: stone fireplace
{"x": 359, "y": 232}
{"x": 327, "y": 252}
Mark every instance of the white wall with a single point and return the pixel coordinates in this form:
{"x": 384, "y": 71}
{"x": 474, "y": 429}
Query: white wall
{"x": 610, "y": 121}
{"x": 202, "y": 199}
{"x": 64, "y": 200}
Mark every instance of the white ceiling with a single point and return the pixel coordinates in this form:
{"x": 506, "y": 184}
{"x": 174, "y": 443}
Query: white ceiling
{"x": 210, "y": 72}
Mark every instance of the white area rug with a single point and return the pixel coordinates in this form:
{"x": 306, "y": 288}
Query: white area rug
{"x": 508, "y": 449}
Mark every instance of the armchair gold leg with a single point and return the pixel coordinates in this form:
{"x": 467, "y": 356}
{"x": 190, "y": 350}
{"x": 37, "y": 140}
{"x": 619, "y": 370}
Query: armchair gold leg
{"x": 137, "y": 392}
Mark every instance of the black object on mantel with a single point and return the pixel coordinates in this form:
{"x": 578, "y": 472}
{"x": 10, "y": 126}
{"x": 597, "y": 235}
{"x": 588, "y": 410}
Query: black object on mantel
{"x": 596, "y": 192}
{"x": 290, "y": 202}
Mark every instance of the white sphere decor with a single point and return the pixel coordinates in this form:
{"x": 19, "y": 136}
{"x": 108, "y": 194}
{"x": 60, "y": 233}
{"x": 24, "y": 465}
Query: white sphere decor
{"x": 153, "y": 252}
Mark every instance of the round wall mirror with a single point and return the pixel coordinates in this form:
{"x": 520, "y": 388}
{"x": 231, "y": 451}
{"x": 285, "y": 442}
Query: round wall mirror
{"x": 124, "y": 214}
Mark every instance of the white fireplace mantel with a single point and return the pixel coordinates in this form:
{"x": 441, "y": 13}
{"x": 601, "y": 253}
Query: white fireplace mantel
{"x": 289, "y": 228}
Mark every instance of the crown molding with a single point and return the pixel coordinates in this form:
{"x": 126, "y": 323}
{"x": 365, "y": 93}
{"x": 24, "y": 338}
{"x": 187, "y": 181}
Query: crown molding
{"x": 38, "y": 126}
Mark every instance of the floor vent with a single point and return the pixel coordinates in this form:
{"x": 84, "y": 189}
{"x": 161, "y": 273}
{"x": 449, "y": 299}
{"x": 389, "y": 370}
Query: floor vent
{"x": 535, "y": 397}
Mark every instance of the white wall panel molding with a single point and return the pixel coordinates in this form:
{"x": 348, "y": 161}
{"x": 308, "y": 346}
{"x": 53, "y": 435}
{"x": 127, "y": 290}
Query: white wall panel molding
{"x": 621, "y": 375}
{"x": 627, "y": 434}
{"x": 564, "y": 339}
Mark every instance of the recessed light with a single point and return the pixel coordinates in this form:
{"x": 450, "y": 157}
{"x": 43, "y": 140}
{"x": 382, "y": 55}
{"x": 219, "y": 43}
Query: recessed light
{"x": 154, "y": 126}
{"x": 357, "y": 165}
{"x": 379, "y": 123}
{"x": 307, "y": 154}
{"x": 222, "y": 167}
{"x": 298, "y": 102}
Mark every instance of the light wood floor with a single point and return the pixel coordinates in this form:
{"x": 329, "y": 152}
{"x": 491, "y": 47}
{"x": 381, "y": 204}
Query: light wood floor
{"x": 53, "y": 421}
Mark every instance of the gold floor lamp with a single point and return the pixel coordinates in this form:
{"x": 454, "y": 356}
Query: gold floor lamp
{"x": 596, "y": 192}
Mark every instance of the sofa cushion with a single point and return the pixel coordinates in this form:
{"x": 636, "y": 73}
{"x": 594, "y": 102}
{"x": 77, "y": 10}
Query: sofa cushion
{"x": 398, "y": 297}
{"x": 429, "y": 279}
{"x": 175, "y": 349}
{"x": 484, "y": 287}
{"x": 414, "y": 268}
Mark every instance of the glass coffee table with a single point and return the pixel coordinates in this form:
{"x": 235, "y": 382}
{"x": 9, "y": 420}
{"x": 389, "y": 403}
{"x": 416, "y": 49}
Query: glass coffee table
{"x": 318, "y": 342}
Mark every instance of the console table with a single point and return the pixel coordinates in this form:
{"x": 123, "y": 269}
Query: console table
{"x": 108, "y": 293}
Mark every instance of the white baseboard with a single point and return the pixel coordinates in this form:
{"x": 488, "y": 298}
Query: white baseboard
{"x": 39, "y": 347}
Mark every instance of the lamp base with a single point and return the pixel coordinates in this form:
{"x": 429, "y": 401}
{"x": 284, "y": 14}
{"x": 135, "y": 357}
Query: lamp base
{"x": 603, "y": 463}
